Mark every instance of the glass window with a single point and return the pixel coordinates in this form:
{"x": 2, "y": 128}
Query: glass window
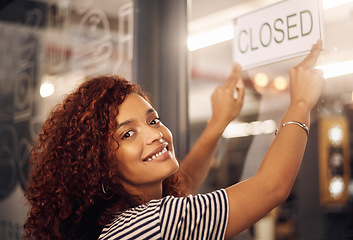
{"x": 319, "y": 190}
{"x": 46, "y": 49}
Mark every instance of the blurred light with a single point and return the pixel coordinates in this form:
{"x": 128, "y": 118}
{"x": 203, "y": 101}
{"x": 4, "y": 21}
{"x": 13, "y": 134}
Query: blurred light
{"x": 336, "y": 160}
{"x": 327, "y": 4}
{"x": 337, "y": 69}
{"x": 335, "y": 134}
{"x": 268, "y": 126}
{"x": 211, "y": 37}
{"x": 46, "y": 90}
{"x": 280, "y": 83}
{"x": 254, "y": 128}
{"x": 234, "y": 129}
{"x": 261, "y": 80}
{"x": 336, "y": 187}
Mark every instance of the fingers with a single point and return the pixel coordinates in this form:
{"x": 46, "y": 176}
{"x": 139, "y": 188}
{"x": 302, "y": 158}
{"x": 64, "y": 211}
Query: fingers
{"x": 311, "y": 59}
{"x": 234, "y": 77}
{"x": 241, "y": 91}
{"x": 306, "y": 83}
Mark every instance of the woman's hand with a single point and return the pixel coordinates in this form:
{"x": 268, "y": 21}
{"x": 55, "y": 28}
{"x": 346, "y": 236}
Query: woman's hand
{"x": 306, "y": 83}
{"x": 225, "y": 107}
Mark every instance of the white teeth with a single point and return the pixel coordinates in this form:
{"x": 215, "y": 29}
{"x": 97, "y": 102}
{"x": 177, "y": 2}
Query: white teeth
{"x": 157, "y": 155}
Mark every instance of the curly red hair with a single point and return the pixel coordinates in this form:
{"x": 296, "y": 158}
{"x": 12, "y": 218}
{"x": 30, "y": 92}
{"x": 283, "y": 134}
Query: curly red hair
{"x": 72, "y": 159}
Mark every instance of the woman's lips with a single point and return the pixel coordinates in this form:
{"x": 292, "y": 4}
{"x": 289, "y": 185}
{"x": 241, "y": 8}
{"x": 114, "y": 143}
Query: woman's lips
{"x": 157, "y": 155}
{"x": 161, "y": 154}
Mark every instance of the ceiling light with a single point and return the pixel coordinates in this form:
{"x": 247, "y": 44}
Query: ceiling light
{"x": 236, "y": 129}
{"x": 337, "y": 69}
{"x": 327, "y": 4}
{"x": 210, "y": 37}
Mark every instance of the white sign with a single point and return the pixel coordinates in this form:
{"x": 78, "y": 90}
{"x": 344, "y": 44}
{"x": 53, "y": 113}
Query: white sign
{"x": 277, "y": 32}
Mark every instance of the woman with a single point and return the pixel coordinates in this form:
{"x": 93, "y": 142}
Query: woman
{"x": 104, "y": 165}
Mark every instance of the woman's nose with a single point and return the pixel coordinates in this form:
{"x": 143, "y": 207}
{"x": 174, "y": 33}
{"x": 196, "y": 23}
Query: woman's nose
{"x": 153, "y": 135}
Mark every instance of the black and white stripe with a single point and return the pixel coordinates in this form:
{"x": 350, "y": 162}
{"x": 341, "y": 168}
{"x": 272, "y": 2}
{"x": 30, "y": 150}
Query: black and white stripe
{"x": 141, "y": 222}
{"x": 203, "y": 216}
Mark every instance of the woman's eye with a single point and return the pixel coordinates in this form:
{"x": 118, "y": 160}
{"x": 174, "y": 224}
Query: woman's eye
{"x": 155, "y": 121}
{"x": 128, "y": 134}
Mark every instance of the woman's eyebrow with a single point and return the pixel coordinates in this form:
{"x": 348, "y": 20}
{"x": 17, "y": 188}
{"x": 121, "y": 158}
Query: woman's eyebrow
{"x": 150, "y": 110}
{"x": 125, "y": 123}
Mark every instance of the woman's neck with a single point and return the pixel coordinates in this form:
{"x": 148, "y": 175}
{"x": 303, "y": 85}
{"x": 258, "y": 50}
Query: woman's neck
{"x": 146, "y": 192}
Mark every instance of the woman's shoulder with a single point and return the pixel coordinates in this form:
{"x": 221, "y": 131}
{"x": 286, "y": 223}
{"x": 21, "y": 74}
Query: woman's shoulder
{"x": 133, "y": 221}
{"x": 215, "y": 195}
{"x": 154, "y": 206}
{"x": 195, "y": 216}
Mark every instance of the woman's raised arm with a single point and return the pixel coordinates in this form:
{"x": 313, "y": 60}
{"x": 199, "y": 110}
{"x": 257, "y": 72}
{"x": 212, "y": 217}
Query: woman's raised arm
{"x": 252, "y": 199}
{"x": 224, "y": 109}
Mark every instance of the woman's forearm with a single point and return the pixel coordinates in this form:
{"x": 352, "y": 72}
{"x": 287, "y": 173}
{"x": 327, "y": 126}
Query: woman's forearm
{"x": 282, "y": 161}
{"x": 198, "y": 161}
{"x": 224, "y": 109}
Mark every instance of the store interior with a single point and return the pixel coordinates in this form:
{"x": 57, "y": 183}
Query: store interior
{"x": 48, "y": 47}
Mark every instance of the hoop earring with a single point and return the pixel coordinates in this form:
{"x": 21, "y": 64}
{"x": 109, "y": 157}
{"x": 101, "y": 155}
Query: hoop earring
{"x": 106, "y": 192}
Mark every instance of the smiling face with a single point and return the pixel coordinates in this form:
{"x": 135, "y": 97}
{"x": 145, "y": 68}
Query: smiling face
{"x": 145, "y": 155}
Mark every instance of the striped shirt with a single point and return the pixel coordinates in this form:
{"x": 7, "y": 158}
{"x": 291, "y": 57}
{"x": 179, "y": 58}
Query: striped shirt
{"x": 203, "y": 216}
